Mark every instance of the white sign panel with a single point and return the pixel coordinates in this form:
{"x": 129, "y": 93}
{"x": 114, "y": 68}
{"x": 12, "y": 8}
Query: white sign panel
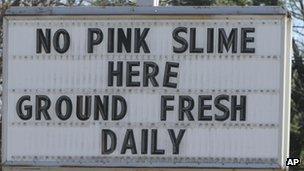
{"x": 146, "y": 91}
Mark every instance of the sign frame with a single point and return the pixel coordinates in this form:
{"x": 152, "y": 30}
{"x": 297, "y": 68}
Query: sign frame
{"x": 159, "y": 13}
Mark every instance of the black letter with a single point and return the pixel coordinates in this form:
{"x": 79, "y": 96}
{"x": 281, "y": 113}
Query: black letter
{"x": 66, "y": 41}
{"x": 140, "y": 40}
{"x": 221, "y": 107}
{"x": 115, "y": 115}
{"x": 210, "y": 40}
{"x": 180, "y": 40}
{"x": 245, "y": 40}
{"x": 110, "y": 40}
{"x": 112, "y": 73}
{"x": 91, "y": 41}
{"x": 176, "y": 141}
{"x": 104, "y": 140}
{"x": 202, "y": 107}
{"x": 154, "y": 149}
{"x": 129, "y": 143}
{"x": 45, "y": 41}
{"x": 144, "y": 141}
{"x": 68, "y": 103}
{"x": 101, "y": 107}
{"x": 164, "y": 108}
{"x": 193, "y": 48}
{"x": 42, "y": 109}
{"x": 28, "y": 108}
{"x": 168, "y": 74}
{"x": 124, "y": 40}
{"x": 185, "y": 109}
{"x": 150, "y": 75}
{"x": 79, "y": 109}
{"x": 227, "y": 42}
{"x": 241, "y": 108}
{"x": 130, "y": 73}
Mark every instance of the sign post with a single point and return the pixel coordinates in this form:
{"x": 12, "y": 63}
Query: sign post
{"x": 147, "y": 87}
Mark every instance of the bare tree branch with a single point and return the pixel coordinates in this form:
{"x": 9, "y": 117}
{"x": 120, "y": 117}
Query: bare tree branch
{"x": 298, "y": 26}
{"x": 80, "y": 2}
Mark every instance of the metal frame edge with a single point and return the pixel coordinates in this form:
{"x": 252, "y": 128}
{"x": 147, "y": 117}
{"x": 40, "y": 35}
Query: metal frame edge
{"x": 173, "y": 10}
{"x": 5, "y": 93}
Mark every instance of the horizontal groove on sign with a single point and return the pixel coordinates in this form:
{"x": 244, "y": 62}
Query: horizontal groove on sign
{"x": 148, "y": 159}
{"x": 186, "y": 124}
{"x": 137, "y": 23}
{"x": 146, "y": 57}
{"x": 145, "y": 90}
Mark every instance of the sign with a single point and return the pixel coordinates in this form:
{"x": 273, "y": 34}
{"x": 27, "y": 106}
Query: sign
{"x": 158, "y": 90}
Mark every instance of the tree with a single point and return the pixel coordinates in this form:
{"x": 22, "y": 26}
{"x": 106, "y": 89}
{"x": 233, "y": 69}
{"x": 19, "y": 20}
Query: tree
{"x": 218, "y": 2}
{"x": 297, "y": 95}
{"x": 297, "y": 105}
{"x": 113, "y": 2}
{"x": 187, "y": 2}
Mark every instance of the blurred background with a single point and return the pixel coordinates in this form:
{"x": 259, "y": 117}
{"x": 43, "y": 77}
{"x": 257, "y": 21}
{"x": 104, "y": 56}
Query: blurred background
{"x": 296, "y": 8}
